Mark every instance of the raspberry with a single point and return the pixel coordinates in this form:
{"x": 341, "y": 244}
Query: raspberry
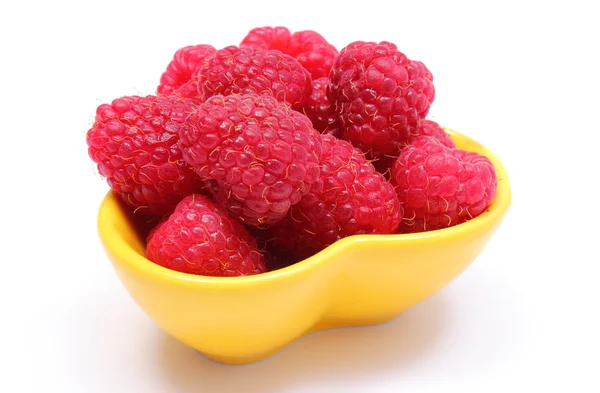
{"x": 349, "y": 198}
{"x": 191, "y": 90}
{"x": 261, "y": 155}
{"x": 380, "y": 95}
{"x": 135, "y": 143}
{"x": 267, "y": 37}
{"x": 236, "y": 70}
{"x": 201, "y": 238}
{"x": 154, "y": 229}
{"x": 313, "y": 52}
{"x": 319, "y": 110}
{"x": 441, "y": 186}
{"x": 310, "y": 48}
{"x": 185, "y": 63}
{"x": 431, "y": 128}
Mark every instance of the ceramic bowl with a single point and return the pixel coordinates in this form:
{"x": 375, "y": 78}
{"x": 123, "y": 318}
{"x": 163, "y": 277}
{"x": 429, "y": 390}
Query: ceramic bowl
{"x": 359, "y": 280}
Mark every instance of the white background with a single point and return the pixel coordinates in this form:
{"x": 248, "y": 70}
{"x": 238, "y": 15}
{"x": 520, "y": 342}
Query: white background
{"x": 520, "y": 77}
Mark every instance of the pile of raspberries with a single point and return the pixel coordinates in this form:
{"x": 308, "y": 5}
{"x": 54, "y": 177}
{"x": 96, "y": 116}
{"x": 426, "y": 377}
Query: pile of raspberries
{"x": 254, "y": 157}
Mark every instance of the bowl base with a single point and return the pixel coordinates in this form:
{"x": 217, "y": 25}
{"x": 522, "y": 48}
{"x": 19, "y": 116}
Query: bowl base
{"x": 242, "y": 360}
{"x": 335, "y": 323}
{"x": 325, "y": 325}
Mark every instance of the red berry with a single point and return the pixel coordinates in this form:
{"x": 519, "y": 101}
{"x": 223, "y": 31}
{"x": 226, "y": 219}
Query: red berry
{"x": 277, "y": 38}
{"x": 428, "y": 128}
{"x": 349, "y": 198}
{"x": 310, "y": 48}
{"x": 191, "y": 90}
{"x": 135, "y": 143}
{"x": 441, "y": 186}
{"x": 155, "y": 228}
{"x": 319, "y": 110}
{"x": 431, "y": 128}
{"x": 261, "y": 156}
{"x": 380, "y": 95}
{"x": 186, "y": 61}
{"x": 236, "y": 70}
{"x": 201, "y": 238}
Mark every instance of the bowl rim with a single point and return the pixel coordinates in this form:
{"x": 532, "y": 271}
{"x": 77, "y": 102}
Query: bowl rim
{"x": 128, "y": 256}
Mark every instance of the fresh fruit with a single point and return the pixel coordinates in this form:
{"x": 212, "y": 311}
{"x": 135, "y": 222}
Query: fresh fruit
{"x": 135, "y": 143}
{"x": 260, "y": 155}
{"x": 440, "y": 186}
{"x": 201, "y": 238}
{"x": 380, "y": 95}
{"x": 319, "y": 110}
{"x": 155, "y": 228}
{"x": 310, "y": 48}
{"x": 349, "y": 198}
{"x": 234, "y": 70}
{"x": 185, "y": 63}
{"x": 429, "y": 128}
{"x": 433, "y": 129}
{"x": 254, "y": 157}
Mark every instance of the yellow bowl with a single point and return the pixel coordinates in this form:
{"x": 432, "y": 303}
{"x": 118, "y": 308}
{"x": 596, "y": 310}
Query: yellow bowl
{"x": 359, "y": 280}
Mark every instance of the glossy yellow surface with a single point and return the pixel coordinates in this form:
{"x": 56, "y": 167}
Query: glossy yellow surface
{"x": 359, "y": 280}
